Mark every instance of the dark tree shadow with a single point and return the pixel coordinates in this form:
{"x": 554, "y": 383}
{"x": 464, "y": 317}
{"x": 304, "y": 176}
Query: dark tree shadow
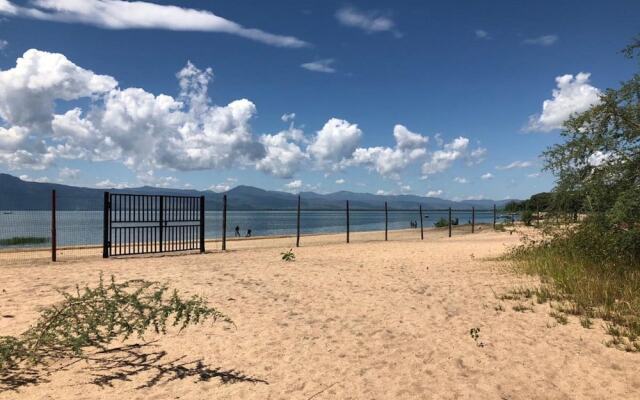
{"x": 127, "y": 362}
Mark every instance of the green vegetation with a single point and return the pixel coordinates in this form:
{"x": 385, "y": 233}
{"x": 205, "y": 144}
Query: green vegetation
{"x": 441, "y": 223}
{"x": 288, "y": 255}
{"x": 22, "y": 240}
{"x": 593, "y": 262}
{"x": 95, "y": 317}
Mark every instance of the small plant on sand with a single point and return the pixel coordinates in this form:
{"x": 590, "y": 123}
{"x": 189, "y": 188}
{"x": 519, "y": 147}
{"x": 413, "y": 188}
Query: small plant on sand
{"x": 95, "y": 317}
{"x": 475, "y": 335}
{"x": 522, "y": 308}
{"x": 288, "y": 255}
{"x": 560, "y": 317}
{"x": 586, "y": 322}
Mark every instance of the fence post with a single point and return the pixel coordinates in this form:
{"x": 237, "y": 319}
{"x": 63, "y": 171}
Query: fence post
{"x": 201, "y": 224}
{"x": 105, "y": 226}
{"x": 53, "y": 226}
{"x": 386, "y": 221}
{"x": 473, "y": 219}
{"x": 494, "y": 217}
{"x": 449, "y": 221}
{"x": 347, "y": 221}
{"x": 421, "y": 227}
{"x": 224, "y": 222}
{"x": 298, "y": 224}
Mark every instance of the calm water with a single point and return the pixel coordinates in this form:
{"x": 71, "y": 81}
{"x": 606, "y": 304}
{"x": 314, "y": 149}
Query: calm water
{"x": 85, "y": 227}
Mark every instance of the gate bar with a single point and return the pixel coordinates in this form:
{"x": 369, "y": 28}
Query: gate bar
{"x": 473, "y": 219}
{"x": 386, "y": 221}
{"x": 201, "y": 224}
{"x": 298, "y": 224}
{"x": 105, "y": 227}
{"x": 449, "y": 221}
{"x": 421, "y": 227}
{"x": 347, "y": 221}
{"x": 53, "y": 226}
{"x": 224, "y": 222}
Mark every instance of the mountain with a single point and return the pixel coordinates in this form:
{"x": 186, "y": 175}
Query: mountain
{"x": 16, "y": 194}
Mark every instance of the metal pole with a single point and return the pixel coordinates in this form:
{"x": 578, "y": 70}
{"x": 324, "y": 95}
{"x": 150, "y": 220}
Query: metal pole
{"x": 224, "y": 222}
{"x": 201, "y": 224}
{"x": 347, "y": 221}
{"x": 473, "y": 219}
{"x": 494, "y": 216}
{"x": 386, "y": 222}
{"x": 421, "y": 227}
{"x": 105, "y": 226}
{"x": 449, "y": 221}
{"x": 298, "y": 224}
{"x": 53, "y": 226}
{"x": 161, "y": 222}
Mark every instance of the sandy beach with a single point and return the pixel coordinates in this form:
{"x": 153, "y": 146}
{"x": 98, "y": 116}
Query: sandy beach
{"x": 365, "y": 320}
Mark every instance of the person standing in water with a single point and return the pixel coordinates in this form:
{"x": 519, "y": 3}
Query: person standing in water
{"x": 237, "y": 231}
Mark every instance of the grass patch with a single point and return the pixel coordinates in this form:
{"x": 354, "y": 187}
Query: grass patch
{"x": 586, "y": 285}
{"x": 22, "y": 240}
{"x": 560, "y": 317}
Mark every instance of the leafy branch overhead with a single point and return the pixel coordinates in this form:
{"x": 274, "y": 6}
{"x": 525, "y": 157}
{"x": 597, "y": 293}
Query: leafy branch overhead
{"x": 95, "y": 317}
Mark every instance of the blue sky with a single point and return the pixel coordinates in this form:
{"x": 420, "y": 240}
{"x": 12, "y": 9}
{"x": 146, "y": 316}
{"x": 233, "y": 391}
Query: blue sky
{"x": 444, "y": 98}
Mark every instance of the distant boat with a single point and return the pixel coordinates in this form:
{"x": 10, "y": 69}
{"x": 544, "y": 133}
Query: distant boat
{"x": 7, "y": 212}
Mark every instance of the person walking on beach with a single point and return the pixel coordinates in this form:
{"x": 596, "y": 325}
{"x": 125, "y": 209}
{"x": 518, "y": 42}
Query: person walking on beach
{"x": 248, "y": 233}
{"x": 237, "y": 231}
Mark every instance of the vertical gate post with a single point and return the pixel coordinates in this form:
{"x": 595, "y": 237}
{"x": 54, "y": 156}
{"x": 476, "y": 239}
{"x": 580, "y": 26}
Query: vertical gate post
{"x": 449, "y": 221}
{"x": 473, "y": 219}
{"x": 201, "y": 224}
{"x": 224, "y": 222}
{"x": 494, "y": 216}
{"x": 161, "y": 221}
{"x": 386, "y": 221}
{"x": 347, "y": 221}
{"x": 298, "y": 224}
{"x": 105, "y": 226}
{"x": 53, "y": 226}
{"x": 421, "y": 227}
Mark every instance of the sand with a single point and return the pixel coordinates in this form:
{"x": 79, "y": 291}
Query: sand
{"x": 365, "y": 320}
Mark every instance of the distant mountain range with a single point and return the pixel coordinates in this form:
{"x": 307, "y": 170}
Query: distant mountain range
{"x": 16, "y": 194}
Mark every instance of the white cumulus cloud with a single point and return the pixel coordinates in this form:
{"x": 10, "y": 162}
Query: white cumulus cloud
{"x": 572, "y": 95}
{"x": 334, "y": 144}
{"x": 515, "y": 164}
{"x": 545, "y": 40}
{"x": 389, "y": 161}
{"x": 434, "y": 193}
{"x": 487, "y": 176}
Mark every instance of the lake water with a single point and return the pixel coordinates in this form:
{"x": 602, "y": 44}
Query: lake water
{"x": 85, "y": 227}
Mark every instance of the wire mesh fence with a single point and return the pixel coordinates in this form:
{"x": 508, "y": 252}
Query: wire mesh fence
{"x": 63, "y": 227}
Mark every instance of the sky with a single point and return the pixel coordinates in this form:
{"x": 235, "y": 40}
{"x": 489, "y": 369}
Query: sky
{"x": 453, "y": 99}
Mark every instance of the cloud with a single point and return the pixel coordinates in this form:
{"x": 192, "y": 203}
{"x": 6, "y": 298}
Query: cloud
{"x": 487, "y": 176}
{"x": 534, "y": 175}
{"x": 3, "y": 44}
{"x": 283, "y": 155}
{"x": 443, "y": 159}
{"x": 288, "y": 117}
{"x": 68, "y": 174}
{"x": 516, "y": 164}
{"x": 546, "y": 40}
{"x": 572, "y": 95}
{"x": 340, "y": 181}
{"x": 405, "y": 189}
{"x": 220, "y": 187}
{"x": 459, "y": 179}
{"x": 42, "y": 179}
{"x": 108, "y": 184}
{"x": 387, "y": 161}
{"x": 324, "y": 66}
{"x": 334, "y": 144}
{"x": 368, "y": 21}
{"x": 434, "y": 193}
{"x": 118, "y": 14}
{"x": 482, "y": 34}
{"x": 143, "y": 130}
{"x": 381, "y": 192}
{"x": 599, "y": 158}
{"x": 293, "y": 186}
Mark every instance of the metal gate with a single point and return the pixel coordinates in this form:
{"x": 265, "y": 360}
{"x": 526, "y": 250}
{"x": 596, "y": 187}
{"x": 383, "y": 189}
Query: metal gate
{"x": 145, "y": 224}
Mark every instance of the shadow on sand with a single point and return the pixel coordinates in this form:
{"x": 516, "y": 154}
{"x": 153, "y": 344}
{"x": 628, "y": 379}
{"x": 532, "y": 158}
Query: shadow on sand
{"x": 124, "y": 363}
